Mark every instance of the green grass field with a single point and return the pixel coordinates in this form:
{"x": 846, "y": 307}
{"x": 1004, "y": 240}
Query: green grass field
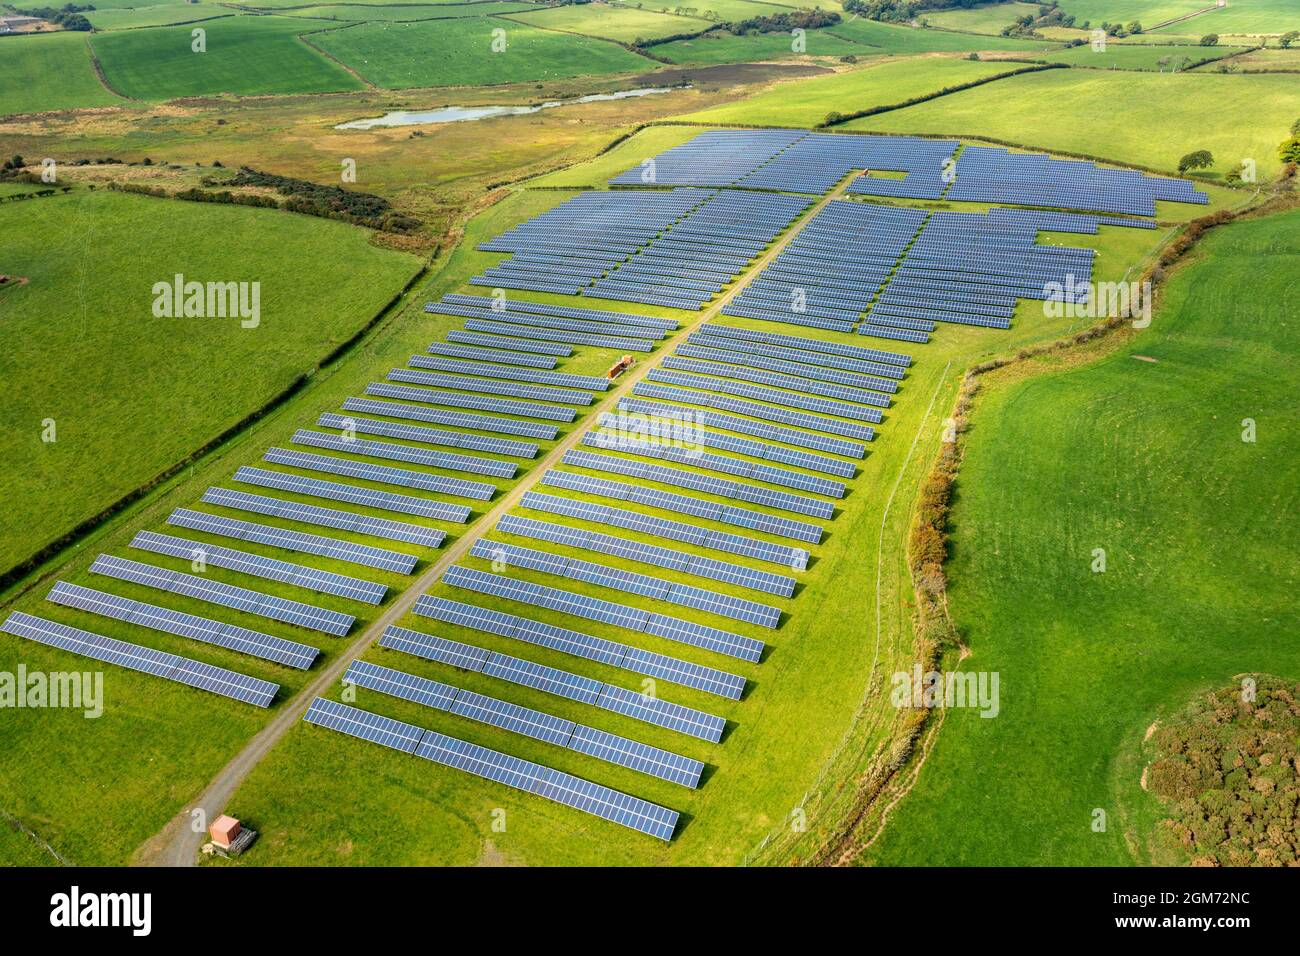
{"x": 459, "y": 53}
{"x": 895, "y": 38}
{"x": 401, "y": 11}
{"x": 987, "y": 19}
{"x": 1146, "y": 460}
{"x": 1130, "y": 117}
{"x": 245, "y": 56}
{"x": 806, "y": 103}
{"x": 130, "y": 393}
{"x": 712, "y": 49}
{"x": 1132, "y": 56}
{"x": 1147, "y": 12}
{"x": 612, "y": 23}
{"x": 161, "y": 15}
{"x": 52, "y": 72}
{"x": 1244, "y": 18}
{"x": 728, "y": 10}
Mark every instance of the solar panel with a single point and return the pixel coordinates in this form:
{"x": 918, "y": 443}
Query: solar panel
{"x": 383, "y": 474}
{"x": 327, "y": 582}
{"x": 539, "y": 393}
{"x": 337, "y": 491}
{"x": 486, "y": 423}
{"x": 241, "y": 639}
{"x": 415, "y": 393}
{"x": 227, "y": 595}
{"x": 430, "y": 436}
{"x": 326, "y": 517}
{"x": 420, "y": 456}
{"x": 217, "y": 680}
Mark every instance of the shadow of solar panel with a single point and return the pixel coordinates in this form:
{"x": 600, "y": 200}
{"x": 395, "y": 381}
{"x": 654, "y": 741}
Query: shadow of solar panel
{"x": 487, "y": 423}
{"x": 227, "y": 595}
{"x": 217, "y": 680}
{"x": 256, "y": 565}
{"x": 294, "y": 540}
{"x": 241, "y": 639}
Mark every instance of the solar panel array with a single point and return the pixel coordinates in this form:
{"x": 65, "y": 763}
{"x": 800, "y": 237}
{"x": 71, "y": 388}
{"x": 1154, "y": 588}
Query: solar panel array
{"x": 324, "y": 517}
{"x": 820, "y": 160}
{"x": 714, "y": 158}
{"x": 429, "y": 436}
{"x": 536, "y": 724}
{"x": 408, "y": 453}
{"x": 146, "y": 660}
{"x": 646, "y": 708}
{"x": 484, "y": 423}
{"x": 603, "y": 802}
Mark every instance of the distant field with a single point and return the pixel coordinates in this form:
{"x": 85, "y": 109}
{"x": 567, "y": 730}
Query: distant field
{"x": 1270, "y": 59}
{"x": 433, "y": 11}
{"x": 1147, "y": 12}
{"x": 730, "y": 10}
{"x": 807, "y": 102}
{"x": 725, "y": 48}
{"x": 1117, "y": 56}
{"x": 52, "y": 72}
{"x": 613, "y": 23}
{"x": 245, "y": 56}
{"x": 459, "y": 53}
{"x": 161, "y": 15}
{"x": 1132, "y": 117}
{"x": 990, "y": 19}
{"x": 1247, "y": 17}
{"x": 894, "y": 38}
{"x": 129, "y": 393}
{"x": 1200, "y": 534}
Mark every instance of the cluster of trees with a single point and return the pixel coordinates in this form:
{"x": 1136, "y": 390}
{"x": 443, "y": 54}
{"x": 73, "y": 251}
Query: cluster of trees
{"x": 1287, "y": 39}
{"x": 313, "y": 199}
{"x": 1228, "y": 770}
{"x": 1289, "y": 150}
{"x": 1200, "y": 159}
{"x": 892, "y": 11}
{"x": 1049, "y": 15}
{"x": 69, "y": 16}
{"x": 785, "y": 22}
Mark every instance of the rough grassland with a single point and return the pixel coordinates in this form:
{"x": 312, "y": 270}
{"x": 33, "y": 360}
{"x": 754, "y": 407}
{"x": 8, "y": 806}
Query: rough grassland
{"x": 459, "y": 53}
{"x": 613, "y": 23}
{"x": 807, "y": 102}
{"x": 130, "y": 393}
{"x": 1145, "y": 460}
{"x": 51, "y": 72}
{"x": 1131, "y": 117}
{"x": 245, "y": 56}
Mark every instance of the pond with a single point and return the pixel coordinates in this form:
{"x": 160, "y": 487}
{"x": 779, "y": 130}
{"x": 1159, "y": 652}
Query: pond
{"x": 461, "y": 114}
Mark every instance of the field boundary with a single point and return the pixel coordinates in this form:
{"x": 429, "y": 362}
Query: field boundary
{"x": 100, "y": 75}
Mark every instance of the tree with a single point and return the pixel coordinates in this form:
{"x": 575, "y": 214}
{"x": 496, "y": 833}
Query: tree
{"x": 1289, "y": 151}
{"x": 1200, "y": 159}
{"x": 1295, "y": 128}
{"x": 1210, "y": 39}
{"x": 1135, "y": 27}
{"x": 1287, "y": 39}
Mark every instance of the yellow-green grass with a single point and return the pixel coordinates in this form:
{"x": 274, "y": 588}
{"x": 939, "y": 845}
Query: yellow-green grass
{"x": 161, "y": 15}
{"x": 402, "y": 11}
{"x": 244, "y": 56}
{"x": 1272, "y": 58}
{"x": 727, "y": 10}
{"x": 987, "y": 19}
{"x": 1140, "y": 454}
{"x": 806, "y": 103}
{"x": 627, "y": 154}
{"x": 459, "y": 53}
{"x": 716, "y": 48}
{"x": 1242, "y": 18}
{"x": 49, "y": 72}
{"x": 896, "y": 38}
{"x": 1147, "y": 12}
{"x": 624, "y": 24}
{"x": 129, "y": 393}
{"x": 1150, "y": 120}
{"x": 18, "y": 848}
{"x": 401, "y": 810}
{"x": 1132, "y": 56}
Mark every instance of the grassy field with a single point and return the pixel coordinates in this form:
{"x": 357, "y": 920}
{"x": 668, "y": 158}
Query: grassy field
{"x": 807, "y": 102}
{"x": 87, "y": 351}
{"x": 51, "y": 72}
{"x": 1147, "y": 12}
{"x": 988, "y": 19}
{"x": 1199, "y": 530}
{"x": 1130, "y": 117}
{"x": 245, "y": 56}
{"x": 729, "y": 10}
{"x": 895, "y": 38}
{"x": 1270, "y": 59}
{"x": 1132, "y": 56}
{"x": 459, "y": 53}
{"x": 401, "y": 11}
{"x": 613, "y": 23}
{"x": 726, "y": 48}
{"x": 1243, "y": 17}
{"x": 161, "y": 15}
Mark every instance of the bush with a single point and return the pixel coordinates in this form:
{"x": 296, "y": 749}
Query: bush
{"x": 1210, "y": 39}
{"x": 1200, "y": 159}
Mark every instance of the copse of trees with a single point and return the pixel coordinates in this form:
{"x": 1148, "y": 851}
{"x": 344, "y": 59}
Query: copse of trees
{"x": 785, "y": 22}
{"x": 69, "y": 16}
{"x": 1286, "y": 39}
{"x": 313, "y": 199}
{"x": 1199, "y": 159}
{"x": 1210, "y": 39}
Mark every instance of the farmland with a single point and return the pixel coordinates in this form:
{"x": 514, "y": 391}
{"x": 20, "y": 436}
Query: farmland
{"x": 1117, "y": 453}
{"x": 49, "y": 73}
{"x": 1133, "y": 56}
{"x": 197, "y": 377}
{"x": 460, "y": 53}
{"x": 612, "y": 23}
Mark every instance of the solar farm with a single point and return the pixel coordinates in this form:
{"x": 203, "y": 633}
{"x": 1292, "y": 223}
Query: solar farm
{"x": 602, "y": 541}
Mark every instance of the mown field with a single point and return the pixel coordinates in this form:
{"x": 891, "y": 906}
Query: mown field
{"x": 1145, "y": 459}
{"x": 161, "y": 15}
{"x": 624, "y": 24}
{"x": 806, "y": 103}
{"x": 1133, "y": 56}
{"x": 459, "y": 53}
{"x": 1243, "y": 17}
{"x": 52, "y": 72}
{"x": 987, "y": 19}
{"x": 1133, "y": 117}
{"x": 130, "y": 393}
{"x": 245, "y": 56}
{"x": 894, "y": 38}
{"x": 402, "y": 11}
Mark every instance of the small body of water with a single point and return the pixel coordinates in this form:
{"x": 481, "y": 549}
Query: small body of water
{"x": 461, "y": 114}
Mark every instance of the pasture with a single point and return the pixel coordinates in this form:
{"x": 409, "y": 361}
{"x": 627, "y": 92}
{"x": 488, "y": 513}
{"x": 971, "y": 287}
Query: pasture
{"x": 402, "y": 11}
{"x": 806, "y": 103}
{"x": 130, "y": 394}
{"x": 460, "y": 53}
{"x": 1242, "y": 18}
{"x": 1151, "y": 120}
{"x": 1135, "y": 56}
{"x": 895, "y": 38}
{"x": 244, "y": 56}
{"x": 1148, "y": 12}
{"x": 51, "y": 72}
{"x": 988, "y": 19}
{"x": 161, "y": 15}
{"x": 623, "y": 24}
{"x": 716, "y": 48}
{"x": 1199, "y": 531}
